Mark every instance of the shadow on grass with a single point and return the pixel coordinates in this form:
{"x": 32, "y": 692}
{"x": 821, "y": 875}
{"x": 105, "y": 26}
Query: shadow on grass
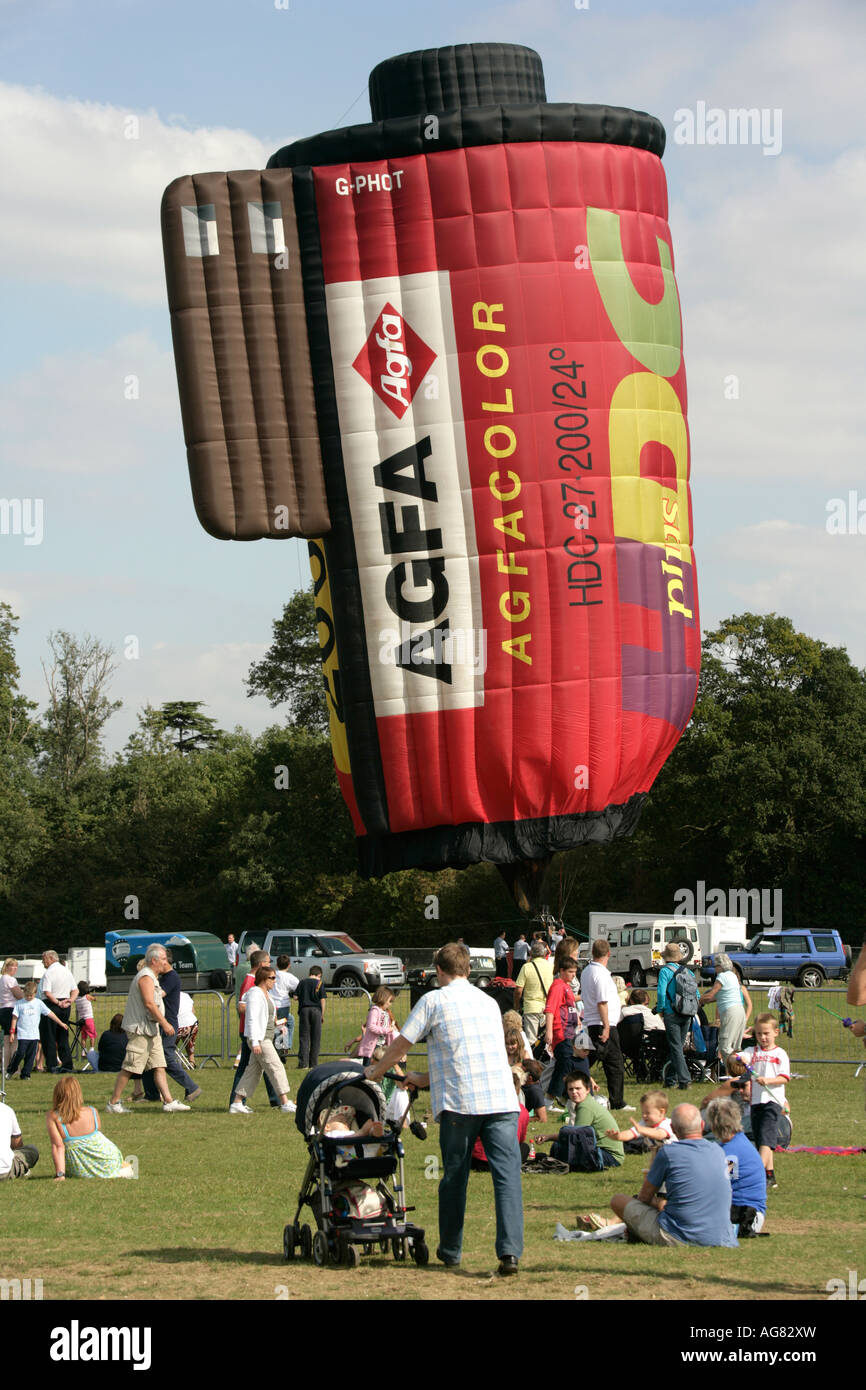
{"x": 186, "y": 1254}
{"x": 664, "y": 1276}
{"x": 191, "y": 1254}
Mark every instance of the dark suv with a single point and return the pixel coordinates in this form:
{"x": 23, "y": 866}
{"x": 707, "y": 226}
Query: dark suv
{"x": 807, "y": 957}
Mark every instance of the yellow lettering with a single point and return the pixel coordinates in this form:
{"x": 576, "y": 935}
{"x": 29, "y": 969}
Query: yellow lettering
{"x": 645, "y": 409}
{"x": 510, "y": 596}
{"x": 674, "y": 605}
{"x": 504, "y": 496}
{"x": 511, "y": 566}
{"x": 508, "y": 525}
{"x": 508, "y": 432}
{"x": 484, "y": 321}
{"x": 501, "y": 357}
{"x": 508, "y": 407}
{"x": 515, "y": 646}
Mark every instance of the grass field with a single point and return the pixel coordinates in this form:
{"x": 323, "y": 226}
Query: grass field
{"x": 204, "y": 1219}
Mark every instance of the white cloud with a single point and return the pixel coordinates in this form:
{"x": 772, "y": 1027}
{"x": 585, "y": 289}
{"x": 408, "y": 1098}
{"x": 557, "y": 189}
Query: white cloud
{"x": 812, "y": 577}
{"x": 82, "y": 200}
{"x": 173, "y": 671}
{"x": 793, "y": 54}
{"x": 93, "y": 412}
{"x": 774, "y": 293}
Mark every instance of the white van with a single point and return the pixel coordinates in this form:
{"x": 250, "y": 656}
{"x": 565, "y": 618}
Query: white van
{"x": 637, "y": 940}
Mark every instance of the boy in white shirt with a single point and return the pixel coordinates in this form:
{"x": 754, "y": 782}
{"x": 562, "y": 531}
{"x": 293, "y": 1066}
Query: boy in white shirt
{"x": 769, "y": 1069}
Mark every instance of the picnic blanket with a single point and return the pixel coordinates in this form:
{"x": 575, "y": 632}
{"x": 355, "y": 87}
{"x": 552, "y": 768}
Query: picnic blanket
{"x": 840, "y": 1150}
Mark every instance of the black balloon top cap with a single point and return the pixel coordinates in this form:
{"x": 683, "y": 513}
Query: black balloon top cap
{"x": 466, "y": 74}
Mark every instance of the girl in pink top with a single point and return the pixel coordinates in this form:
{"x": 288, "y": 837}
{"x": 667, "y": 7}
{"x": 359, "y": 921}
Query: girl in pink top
{"x": 380, "y": 1027}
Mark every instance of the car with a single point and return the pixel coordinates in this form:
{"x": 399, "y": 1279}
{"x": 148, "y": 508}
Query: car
{"x": 345, "y": 965}
{"x": 807, "y": 957}
{"x": 482, "y": 969}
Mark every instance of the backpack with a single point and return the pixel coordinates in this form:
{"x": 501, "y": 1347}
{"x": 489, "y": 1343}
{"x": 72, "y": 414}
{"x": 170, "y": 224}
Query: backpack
{"x": 685, "y": 993}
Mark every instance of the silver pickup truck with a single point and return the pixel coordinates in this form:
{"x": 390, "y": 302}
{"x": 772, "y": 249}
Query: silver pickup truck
{"x": 345, "y": 964}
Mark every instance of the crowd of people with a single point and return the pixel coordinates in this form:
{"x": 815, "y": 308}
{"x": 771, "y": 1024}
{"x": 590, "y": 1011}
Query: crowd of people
{"x": 707, "y": 1183}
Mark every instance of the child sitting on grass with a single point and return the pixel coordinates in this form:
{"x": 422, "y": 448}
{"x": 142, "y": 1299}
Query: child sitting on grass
{"x": 769, "y": 1068}
{"x": 586, "y": 1145}
{"x": 653, "y": 1128}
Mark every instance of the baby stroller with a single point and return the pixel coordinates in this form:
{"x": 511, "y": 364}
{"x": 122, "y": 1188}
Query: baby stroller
{"x": 354, "y": 1185}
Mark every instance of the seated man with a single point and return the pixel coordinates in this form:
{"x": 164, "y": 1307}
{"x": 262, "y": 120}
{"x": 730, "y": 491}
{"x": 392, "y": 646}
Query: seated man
{"x": 587, "y": 1143}
{"x": 694, "y": 1172}
{"x": 16, "y": 1157}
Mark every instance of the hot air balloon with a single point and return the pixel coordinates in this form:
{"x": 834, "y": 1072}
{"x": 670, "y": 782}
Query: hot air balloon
{"x": 445, "y": 347}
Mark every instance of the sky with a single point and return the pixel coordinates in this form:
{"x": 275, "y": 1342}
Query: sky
{"x": 105, "y": 102}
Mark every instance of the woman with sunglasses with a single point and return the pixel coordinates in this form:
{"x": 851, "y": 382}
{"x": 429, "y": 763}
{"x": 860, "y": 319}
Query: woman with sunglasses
{"x": 259, "y": 1029}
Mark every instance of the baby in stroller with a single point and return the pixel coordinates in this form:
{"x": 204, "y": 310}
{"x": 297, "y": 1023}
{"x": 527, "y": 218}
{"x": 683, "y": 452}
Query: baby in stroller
{"x": 344, "y": 1120}
{"x": 354, "y": 1189}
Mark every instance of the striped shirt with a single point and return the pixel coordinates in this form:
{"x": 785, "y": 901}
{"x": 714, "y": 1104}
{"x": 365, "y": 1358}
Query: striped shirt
{"x": 468, "y": 1065}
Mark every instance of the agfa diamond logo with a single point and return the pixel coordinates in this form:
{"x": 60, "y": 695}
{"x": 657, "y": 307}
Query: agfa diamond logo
{"x": 394, "y": 360}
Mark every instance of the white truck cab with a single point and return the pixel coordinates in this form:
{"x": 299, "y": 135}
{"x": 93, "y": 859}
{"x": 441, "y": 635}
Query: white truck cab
{"x": 638, "y": 939}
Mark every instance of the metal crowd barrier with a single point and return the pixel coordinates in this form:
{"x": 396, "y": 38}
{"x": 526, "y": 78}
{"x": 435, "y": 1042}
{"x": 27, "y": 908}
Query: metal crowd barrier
{"x": 218, "y": 1039}
{"x": 815, "y": 1035}
{"x": 210, "y": 1009}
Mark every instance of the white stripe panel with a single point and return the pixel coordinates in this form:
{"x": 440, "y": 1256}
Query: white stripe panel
{"x": 370, "y": 433}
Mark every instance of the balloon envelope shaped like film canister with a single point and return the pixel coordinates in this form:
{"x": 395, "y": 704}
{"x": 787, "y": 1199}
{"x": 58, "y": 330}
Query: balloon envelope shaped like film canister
{"x": 492, "y": 340}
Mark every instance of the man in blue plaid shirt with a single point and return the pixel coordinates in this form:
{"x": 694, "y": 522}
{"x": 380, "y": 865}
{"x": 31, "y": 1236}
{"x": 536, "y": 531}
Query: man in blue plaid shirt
{"x": 472, "y": 1094}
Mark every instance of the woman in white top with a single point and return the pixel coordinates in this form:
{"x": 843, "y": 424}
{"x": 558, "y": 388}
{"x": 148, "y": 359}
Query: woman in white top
{"x": 733, "y": 1002}
{"x": 259, "y": 1028}
{"x": 10, "y": 993}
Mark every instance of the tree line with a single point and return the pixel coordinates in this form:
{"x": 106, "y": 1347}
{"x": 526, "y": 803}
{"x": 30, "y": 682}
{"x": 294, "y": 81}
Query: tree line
{"x": 192, "y": 827}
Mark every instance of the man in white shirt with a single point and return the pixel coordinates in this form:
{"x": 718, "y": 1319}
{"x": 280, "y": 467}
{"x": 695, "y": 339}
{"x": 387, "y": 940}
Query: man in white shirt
{"x": 232, "y": 950}
{"x": 16, "y": 1157}
{"x": 500, "y": 953}
{"x": 520, "y": 953}
{"x": 472, "y": 1096}
{"x": 601, "y": 1014}
{"x": 58, "y": 990}
{"x": 285, "y": 985}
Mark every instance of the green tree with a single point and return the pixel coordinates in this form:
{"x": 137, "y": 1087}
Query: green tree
{"x": 152, "y": 734}
{"x": 22, "y": 824}
{"x": 766, "y": 788}
{"x": 77, "y": 676}
{"x": 290, "y": 672}
{"x": 17, "y": 722}
{"x": 195, "y": 731}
